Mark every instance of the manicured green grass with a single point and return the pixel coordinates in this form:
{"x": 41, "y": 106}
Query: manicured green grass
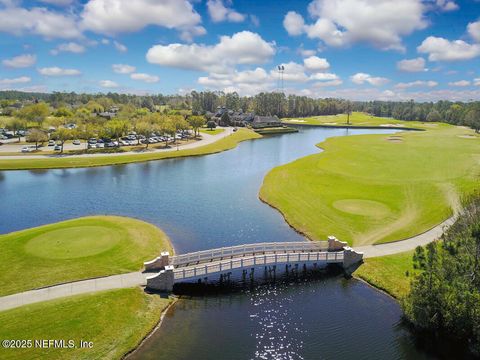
{"x": 391, "y": 274}
{"x": 212, "y": 132}
{"x": 377, "y": 188}
{"x": 276, "y": 130}
{"x": 115, "y": 321}
{"x": 76, "y": 249}
{"x": 357, "y": 119}
{"x": 226, "y": 143}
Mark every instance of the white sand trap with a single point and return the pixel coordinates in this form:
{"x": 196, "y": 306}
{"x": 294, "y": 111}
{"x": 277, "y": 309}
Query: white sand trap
{"x": 467, "y": 136}
{"x": 391, "y": 125}
{"x": 297, "y": 120}
{"x": 331, "y": 123}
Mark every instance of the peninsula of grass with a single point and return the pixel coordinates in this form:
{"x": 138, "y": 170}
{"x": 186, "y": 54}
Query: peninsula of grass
{"x": 76, "y": 249}
{"x": 356, "y": 120}
{"x": 276, "y": 130}
{"x": 225, "y": 143}
{"x": 391, "y": 273}
{"x": 370, "y": 189}
{"x": 114, "y": 321}
{"x": 212, "y": 131}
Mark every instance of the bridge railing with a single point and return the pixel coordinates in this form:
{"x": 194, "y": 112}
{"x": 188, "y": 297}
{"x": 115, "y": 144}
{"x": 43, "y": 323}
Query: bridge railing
{"x": 241, "y": 250}
{"x": 245, "y": 262}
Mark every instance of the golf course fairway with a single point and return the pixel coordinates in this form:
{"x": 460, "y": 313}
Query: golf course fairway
{"x": 370, "y": 189}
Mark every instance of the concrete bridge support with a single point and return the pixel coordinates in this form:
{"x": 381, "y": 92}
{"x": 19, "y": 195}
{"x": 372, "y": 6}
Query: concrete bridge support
{"x": 163, "y": 281}
{"x": 158, "y": 263}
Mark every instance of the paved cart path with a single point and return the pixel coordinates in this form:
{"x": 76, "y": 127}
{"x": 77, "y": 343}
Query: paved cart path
{"x": 139, "y": 279}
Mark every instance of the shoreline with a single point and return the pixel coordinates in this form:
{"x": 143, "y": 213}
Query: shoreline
{"x": 216, "y": 144}
{"x": 345, "y": 126}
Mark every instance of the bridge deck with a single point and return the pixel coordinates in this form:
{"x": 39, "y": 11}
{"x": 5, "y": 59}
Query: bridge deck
{"x": 239, "y": 251}
{"x": 202, "y": 270}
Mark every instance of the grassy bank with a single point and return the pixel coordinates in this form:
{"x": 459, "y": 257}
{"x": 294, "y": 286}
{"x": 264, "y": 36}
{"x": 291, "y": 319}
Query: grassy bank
{"x": 76, "y": 249}
{"x": 212, "y": 132}
{"x": 391, "y": 274}
{"x": 115, "y": 321}
{"x": 357, "y": 119}
{"x": 225, "y": 143}
{"x": 377, "y": 188}
{"x": 276, "y": 130}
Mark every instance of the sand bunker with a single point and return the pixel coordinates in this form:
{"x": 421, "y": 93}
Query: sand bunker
{"x": 467, "y": 136}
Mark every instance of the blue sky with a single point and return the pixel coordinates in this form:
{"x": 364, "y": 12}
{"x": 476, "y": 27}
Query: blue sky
{"x": 357, "y": 49}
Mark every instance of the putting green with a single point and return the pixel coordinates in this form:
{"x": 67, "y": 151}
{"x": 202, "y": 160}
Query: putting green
{"x": 368, "y": 208}
{"x": 73, "y": 242}
{"x": 367, "y": 189}
{"x": 76, "y": 249}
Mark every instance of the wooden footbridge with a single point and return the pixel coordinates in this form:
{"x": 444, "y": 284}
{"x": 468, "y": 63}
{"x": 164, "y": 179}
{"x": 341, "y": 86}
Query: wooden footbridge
{"x": 244, "y": 261}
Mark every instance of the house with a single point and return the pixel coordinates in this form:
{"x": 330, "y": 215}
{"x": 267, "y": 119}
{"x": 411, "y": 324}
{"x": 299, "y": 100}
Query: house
{"x": 260, "y": 122}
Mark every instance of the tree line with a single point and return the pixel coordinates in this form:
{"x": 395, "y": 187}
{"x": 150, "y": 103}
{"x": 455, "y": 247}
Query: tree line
{"x": 444, "y": 300}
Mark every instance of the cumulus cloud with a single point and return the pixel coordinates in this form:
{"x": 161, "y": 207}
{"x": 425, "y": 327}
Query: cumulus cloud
{"x": 476, "y": 81}
{"x": 18, "y": 80}
{"x": 241, "y": 48}
{"x": 440, "y": 49}
{"x": 123, "y": 68}
{"x": 460, "y": 83}
{"x": 71, "y": 47}
{"x": 362, "y": 78}
{"x": 418, "y": 83}
{"x": 57, "y": 2}
{"x": 316, "y": 64}
{"x": 247, "y": 82}
{"x": 21, "y": 61}
{"x": 474, "y": 30}
{"x": 324, "y": 76}
{"x": 108, "y": 84}
{"x": 446, "y": 5}
{"x": 119, "y": 16}
{"x": 381, "y": 23}
{"x": 38, "y": 21}
{"x": 120, "y": 47}
{"x": 329, "y": 83}
{"x": 219, "y": 12}
{"x": 412, "y": 65}
{"x": 57, "y": 71}
{"x": 145, "y": 77}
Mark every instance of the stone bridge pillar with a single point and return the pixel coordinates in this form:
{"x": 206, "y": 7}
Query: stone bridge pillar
{"x": 351, "y": 257}
{"x": 163, "y": 281}
{"x": 158, "y": 263}
{"x": 334, "y": 244}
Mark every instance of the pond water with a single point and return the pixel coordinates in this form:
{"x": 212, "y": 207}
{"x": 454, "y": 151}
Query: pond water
{"x": 212, "y": 201}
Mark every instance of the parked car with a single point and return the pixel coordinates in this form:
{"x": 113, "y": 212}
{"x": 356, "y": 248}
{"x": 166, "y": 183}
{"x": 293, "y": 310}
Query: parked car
{"x": 76, "y": 142}
{"x": 92, "y": 141}
{"x": 28, "y": 148}
{"x": 100, "y": 145}
{"x": 92, "y": 146}
{"x": 57, "y": 148}
{"x": 51, "y": 142}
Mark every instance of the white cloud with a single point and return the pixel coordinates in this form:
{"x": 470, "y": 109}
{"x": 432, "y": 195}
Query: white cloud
{"x": 123, "y": 68}
{"x": 21, "y": 61}
{"x": 119, "y": 16}
{"x": 219, "y": 12}
{"x": 145, "y": 77}
{"x": 412, "y": 65}
{"x": 241, "y": 48}
{"x": 440, "y": 49}
{"x": 57, "y": 71}
{"x": 316, "y": 64}
{"x": 58, "y": 2}
{"x": 293, "y": 72}
{"x": 306, "y": 52}
{"x": 460, "y": 83}
{"x": 474, "y": 30}
{"x": 18, "y": 80}
{"x": 108, "y": 84}
{"x": 324, "y": 76}
{"x": 381, "y": 23}
{"x": 294, "y": 23}
{"x": 71, "y": 47}
{"x": 38, "y": 21}
{"x": 248, "y": 82}
{"x": 120, "y": 47}
{"x": 336, "y": 82}
{"x": 418, "y": 83}
{"x": 446, "y": 5}
{"x": 362, "y": 78}
{"x": 476, "y": 81}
